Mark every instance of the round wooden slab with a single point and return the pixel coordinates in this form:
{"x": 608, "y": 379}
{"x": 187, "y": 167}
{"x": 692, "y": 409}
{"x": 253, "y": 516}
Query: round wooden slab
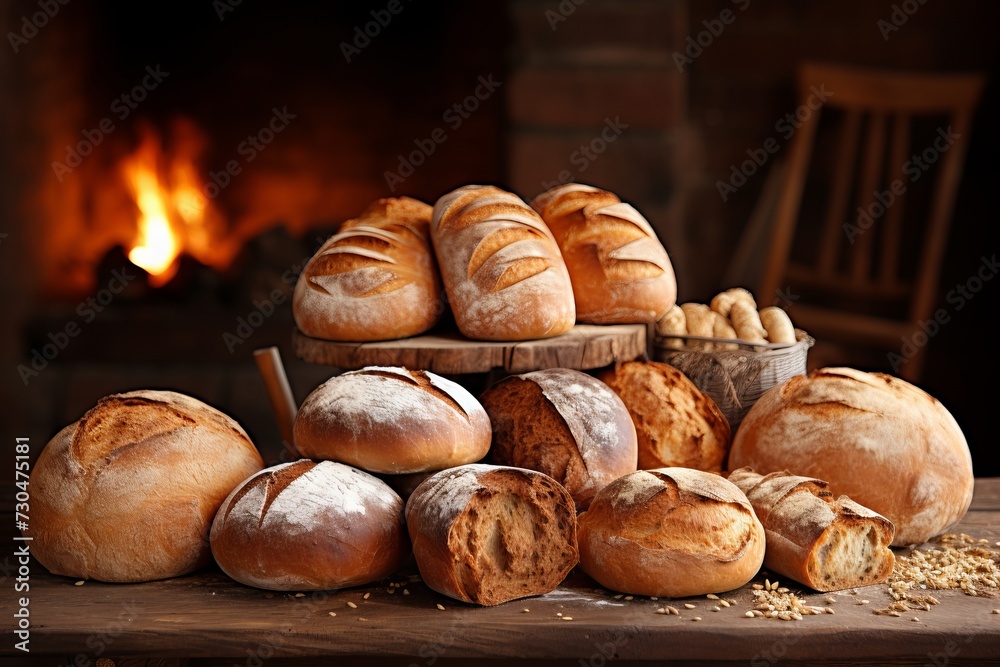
{"x": 583, "y": 347}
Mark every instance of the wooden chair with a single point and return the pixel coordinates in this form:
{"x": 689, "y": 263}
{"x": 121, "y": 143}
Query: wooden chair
{"x": 846, "y": 264}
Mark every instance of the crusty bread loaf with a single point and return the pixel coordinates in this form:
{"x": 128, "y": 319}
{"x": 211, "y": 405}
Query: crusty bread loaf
{"x": 128, "y": 492}
{"x": 376, "y": 279}
{"x": 620, "y": 271}
{"x": 489, "y": 534}
{"x": 306, "y": 526}
{"x": 677, "y": 425}
{"x": 501, "y": 266}
{"x": 392, "y": 420}
{"x": 873, "y": 437}
{"x": 672, "y": 532}
{"x": 823, "y": 543}
{"x": 565, "y": 424}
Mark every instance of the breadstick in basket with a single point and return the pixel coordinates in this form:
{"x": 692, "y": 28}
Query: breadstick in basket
{"x": 777, "y": 324}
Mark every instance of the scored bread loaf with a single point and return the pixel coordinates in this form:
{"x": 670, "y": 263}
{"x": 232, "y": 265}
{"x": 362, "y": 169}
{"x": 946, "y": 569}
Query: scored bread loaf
{"x": 392, "y": 420}
{"x": 620, "y": 271}
{"x": 128, "y": 492}
{"x": 489, "y": 534}
{"x": 565, "y": 424}
{"x": 502, "y": 269}
{"x": 672, "y": 532}
{"x": 307, "y": 526}
{"x": 824, "y": 543}
{"x": 376, "y": 279}
{"x": 878, "y": 439}
{"x": 676, "y": 423}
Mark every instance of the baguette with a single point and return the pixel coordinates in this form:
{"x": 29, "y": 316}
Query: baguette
{"x": 502, "y": 269}
{"x": 375, "y": 279}
{"x": 823, "y": 543}
{"x": 620, "y": 271}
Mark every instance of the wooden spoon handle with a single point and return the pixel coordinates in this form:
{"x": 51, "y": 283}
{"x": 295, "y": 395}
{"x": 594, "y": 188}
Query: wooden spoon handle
{"x": 278, "y": 390}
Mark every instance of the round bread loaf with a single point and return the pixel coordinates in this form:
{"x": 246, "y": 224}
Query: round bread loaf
{"x": 878, "y": 439}
{"x": 375, "y": 279}
{"x": 489, "y": 534}
{"x": 128, "y": 492}
{"x": 392, "y": 420}
{"x": 565, "y": 424}
{"x": 307, "y": 526}
{"x": 672, "y": 532}
{"x": 677, "y": 425}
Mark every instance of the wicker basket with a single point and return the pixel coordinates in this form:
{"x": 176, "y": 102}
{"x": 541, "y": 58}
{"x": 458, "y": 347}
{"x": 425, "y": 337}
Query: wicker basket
{"x": 735, "y": 379}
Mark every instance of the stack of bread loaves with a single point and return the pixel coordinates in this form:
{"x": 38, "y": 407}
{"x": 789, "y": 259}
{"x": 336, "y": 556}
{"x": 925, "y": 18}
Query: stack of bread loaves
{"x": 510, "y": 271}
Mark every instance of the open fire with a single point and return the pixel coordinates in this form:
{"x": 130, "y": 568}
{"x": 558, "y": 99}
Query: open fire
{"x": 174, "y": 214}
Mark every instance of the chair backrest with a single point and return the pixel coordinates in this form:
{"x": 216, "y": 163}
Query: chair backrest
{"x": 885, "y": 103}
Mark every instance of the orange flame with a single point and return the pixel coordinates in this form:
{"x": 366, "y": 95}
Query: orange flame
{"x": 174, "y": 214}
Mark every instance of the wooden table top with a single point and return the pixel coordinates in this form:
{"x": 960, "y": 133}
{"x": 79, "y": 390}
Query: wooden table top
{"x": 208, "y": 616}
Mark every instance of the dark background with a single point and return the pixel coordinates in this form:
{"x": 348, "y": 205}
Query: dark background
{"x": 558, "y": 88}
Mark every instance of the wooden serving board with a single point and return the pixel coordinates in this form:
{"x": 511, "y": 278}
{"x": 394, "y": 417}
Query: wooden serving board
{"x": 584, "y": 347}
{"x": 212, "y": 620}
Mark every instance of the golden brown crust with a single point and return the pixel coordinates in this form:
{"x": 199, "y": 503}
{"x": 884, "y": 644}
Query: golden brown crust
{"x": 375, "y": 279}
{"x": 392, "y": 420}
{"x": 127, "y": 493}
{"x": 676, "y": 423}
{"x": 875, "y": 438}
{"x": 488, "y": 534}
{"x": 565, "y": 424}
{"x": 826, "y": 543}
{"x": 621, "y": 273}
{"x": 310, "y": 526}
{"x": 671, "y": 532}
{"x": 502, "y": 269}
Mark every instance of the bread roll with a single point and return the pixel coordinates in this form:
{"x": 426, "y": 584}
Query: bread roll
{"x": 128, "y": 492}
{"x": 392, "y": 420}
{"x": 723, "y": 328}
{"x": 677, "y": 425}
{"x": 723, "y": 302}
{"x": 700, "y": 322}
{"x": 620, "y": 271}
{"x": 501, "y": 266}
{"x": 777, "y": 325}
{"x": 375, "y": 279}
{"x": 823, "y": 543}
{"x": 671, "y": 532}
{"x": 876, "y": 438}
{"x": 673, "y": 323}
{"x": 565, "y": 424}
{"x": 487, "y": 534}
{"x": 307, "y": 526}
{"x": 746, "y": 322}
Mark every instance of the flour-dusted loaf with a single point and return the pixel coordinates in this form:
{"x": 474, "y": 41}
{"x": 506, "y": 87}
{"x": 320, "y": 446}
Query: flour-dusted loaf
{"x": 392, "y": 420}
{"x": 375, "y": 279}
{"x": 621, "y": 272}
{"x": 672, "y": 532}
{"x": 128, "y": 492}
{"x": 826, "y": 543}
{"x": 502, "y": 269}
{"x": 875, "y": 438}
{"x": 489, "y": 534}
{"x": 565, "y": 424}
{"x": 676, "y": 423}
{"x": 306, "y": 526}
